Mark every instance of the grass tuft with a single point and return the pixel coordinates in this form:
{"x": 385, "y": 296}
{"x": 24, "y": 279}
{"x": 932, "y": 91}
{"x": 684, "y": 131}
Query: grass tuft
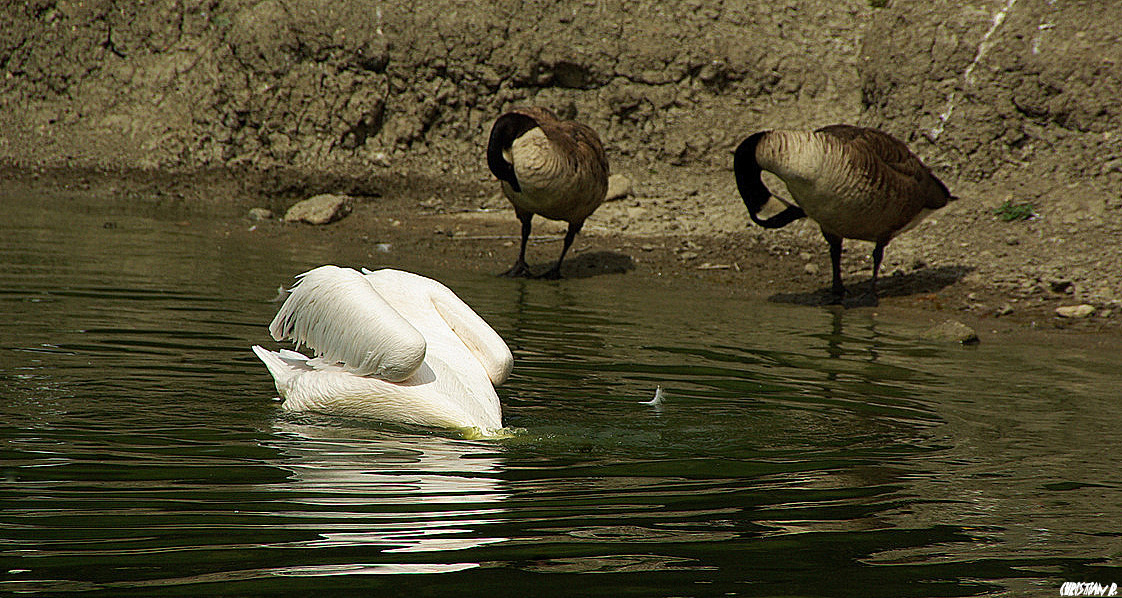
{"x": 1010, "y": 212}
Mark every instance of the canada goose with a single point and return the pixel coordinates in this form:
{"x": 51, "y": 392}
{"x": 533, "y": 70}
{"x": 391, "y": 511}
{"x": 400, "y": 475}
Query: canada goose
{"x": 389, "y": 345}
{"x": 855, "y": 182}
{"x": 555, "y": 168}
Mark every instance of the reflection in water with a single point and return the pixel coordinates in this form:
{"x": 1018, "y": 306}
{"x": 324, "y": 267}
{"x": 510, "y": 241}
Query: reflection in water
{"x": 141, "y": 454}
{"x": 365, "y": 478}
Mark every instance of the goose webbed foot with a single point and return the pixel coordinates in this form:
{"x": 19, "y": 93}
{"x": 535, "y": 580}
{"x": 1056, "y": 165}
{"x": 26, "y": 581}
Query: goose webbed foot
{"x": 868, "y": 299}
{"x": 518, "y": 270}
{"x": 836, "y": 294}
{"x": 553, "y": 273}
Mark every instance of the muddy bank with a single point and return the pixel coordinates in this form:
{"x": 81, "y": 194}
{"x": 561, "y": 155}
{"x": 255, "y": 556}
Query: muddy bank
{"x": 388, "y": 86}
{"x": 467, "y": 227}
{"x": 1023, "y": 90}
{"x": 265, "y": 102}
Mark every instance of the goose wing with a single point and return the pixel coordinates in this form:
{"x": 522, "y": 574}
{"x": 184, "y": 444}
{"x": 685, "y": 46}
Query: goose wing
{"x": 893, "y": 157}
{"x": 581, "y": 146}
{"x": 338, "y": 314}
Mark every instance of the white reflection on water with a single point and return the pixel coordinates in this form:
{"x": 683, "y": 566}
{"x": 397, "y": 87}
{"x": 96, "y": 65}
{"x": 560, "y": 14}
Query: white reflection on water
{"x": 372, "y": 569}
{"x": 248, "y": 575}
{"x": 402, "y": 493}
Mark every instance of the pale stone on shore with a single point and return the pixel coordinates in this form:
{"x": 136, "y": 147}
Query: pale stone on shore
{"x": 1075, "y": 311}
{"x": 320, "y": 209}
{"x": 951, "y": 331}
{"x": 260, "y": 214}
{"x": 619, "y": 187}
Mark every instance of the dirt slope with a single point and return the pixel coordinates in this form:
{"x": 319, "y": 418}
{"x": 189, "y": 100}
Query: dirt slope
{"x": 1008, "y": 100}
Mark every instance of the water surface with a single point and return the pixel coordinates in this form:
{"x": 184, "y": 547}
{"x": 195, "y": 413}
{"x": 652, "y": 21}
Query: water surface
{"x": 799, "y": 451}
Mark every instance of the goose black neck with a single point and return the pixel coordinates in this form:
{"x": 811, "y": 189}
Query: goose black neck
{"x": 749, "y": 179}
{"x": 750, "y": 183}
{"x": 506, "y": 129}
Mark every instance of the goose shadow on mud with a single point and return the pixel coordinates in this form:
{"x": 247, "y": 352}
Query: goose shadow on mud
{"x": 920, "y": 282}
{"x": 596, "y": 263}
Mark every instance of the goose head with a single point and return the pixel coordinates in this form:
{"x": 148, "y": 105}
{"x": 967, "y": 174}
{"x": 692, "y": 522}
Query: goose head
{"x": 750, "y": 183}
{"x": 749, "y": 175}
{"x": 506, "y": 129}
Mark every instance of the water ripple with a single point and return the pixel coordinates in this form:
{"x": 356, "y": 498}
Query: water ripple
{"x": 142, "y": 450}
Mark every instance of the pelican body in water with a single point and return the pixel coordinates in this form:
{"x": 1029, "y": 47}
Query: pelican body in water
{"x": 389, "y": 345}
{"x": 855, "y": 182}
{"x": 547, "y": 166}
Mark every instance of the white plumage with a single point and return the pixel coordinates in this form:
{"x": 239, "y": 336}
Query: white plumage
{"x": 389, "y": 345}
{"x": 337, "y": 313}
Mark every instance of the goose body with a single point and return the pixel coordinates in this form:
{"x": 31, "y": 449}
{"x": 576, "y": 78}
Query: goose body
{"x": 854, "y": 182}
{"x": 549, "y": 167}
{"x": 389, "y": 345}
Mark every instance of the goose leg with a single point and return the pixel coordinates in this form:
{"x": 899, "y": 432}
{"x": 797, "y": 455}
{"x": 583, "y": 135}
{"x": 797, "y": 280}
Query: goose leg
{"x": 878, "y": 255}
{"x": 837, "y": 289}
{"x": 869, "y": 299}
{"x": 555, "y": 272}
{"x": 520, "y": 269}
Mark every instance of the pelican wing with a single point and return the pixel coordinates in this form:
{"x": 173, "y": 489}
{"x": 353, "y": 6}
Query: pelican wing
{"x": 338, "y": 314}
{"x": 477, "y": 335}
{"x": 482, "y": 340}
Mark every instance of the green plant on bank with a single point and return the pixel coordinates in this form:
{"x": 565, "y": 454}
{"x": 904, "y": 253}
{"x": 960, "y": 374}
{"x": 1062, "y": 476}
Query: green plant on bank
{"x": 1010, "y": 211}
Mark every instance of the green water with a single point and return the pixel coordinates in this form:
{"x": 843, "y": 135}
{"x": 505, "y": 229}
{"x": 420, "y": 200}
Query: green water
{"x": 799, "y": 451}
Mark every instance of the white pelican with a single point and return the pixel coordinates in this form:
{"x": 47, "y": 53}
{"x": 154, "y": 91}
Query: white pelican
{"x": 555, "y": 168}
{"x": 389, "y": 345}
{"x": 856, "y": 183}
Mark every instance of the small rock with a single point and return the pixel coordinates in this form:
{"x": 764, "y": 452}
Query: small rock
{"x": 260, "y": 214}
{"x": 951, "y": 331}
{"x": 1114, "y": 165}
{"x": 811, "y": 269}
{"x": 321, "y": 209}
{"x": 1075, "y": 311}
{"x": 636, "y": 212}
{"x": 1062, "y": 286}
{"x": 619, "y": 187}
{"x": 1004, "y": 310}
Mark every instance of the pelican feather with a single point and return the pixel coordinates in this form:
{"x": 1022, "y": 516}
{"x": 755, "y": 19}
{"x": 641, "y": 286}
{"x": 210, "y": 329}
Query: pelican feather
{"x": 389, "y": 345}
{"x": 336, "y": 312}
